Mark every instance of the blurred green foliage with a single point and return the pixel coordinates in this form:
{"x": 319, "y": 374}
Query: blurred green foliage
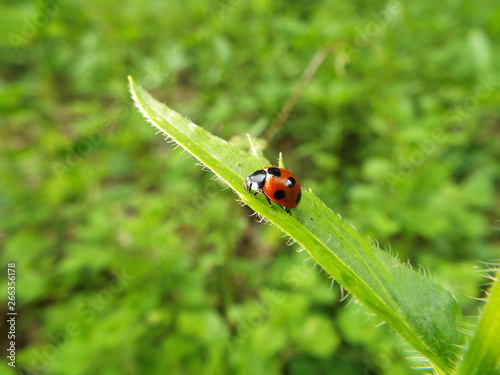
{"x": 131, "y": 259}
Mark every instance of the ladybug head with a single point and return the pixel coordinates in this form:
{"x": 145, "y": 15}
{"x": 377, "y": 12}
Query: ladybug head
{"x": 255, "y": 181}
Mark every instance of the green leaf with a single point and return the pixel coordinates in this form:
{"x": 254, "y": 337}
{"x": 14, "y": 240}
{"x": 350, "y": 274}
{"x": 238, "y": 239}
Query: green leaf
{"x": 420, "y": 310}
{"x": 483, "y": 354}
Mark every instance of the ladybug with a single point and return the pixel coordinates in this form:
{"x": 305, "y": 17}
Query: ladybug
{"x": 277, "y": 185}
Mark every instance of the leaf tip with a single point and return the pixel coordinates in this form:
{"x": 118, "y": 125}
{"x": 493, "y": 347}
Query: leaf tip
{"x": 281, "y": 163}
{"x": 256, "y": 146}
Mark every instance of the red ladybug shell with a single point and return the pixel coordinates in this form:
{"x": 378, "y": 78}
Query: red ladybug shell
{"x": 277, "y": 184}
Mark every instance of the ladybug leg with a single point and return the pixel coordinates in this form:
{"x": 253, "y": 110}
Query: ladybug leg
{"x": 268, "y": 200}
{"x": 254, "y": 194}
{"x": 288, "y": 210}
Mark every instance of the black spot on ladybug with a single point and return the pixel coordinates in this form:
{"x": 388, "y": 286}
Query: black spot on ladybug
{"x": 273, "y": 171}
{"x": 279, "y": 194}
{"x": 290, "y": 181}
{"x": 298, "y": 198}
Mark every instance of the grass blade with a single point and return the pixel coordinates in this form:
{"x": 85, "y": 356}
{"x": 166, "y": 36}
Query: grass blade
{"x": 420, "y": 310}
{"x": 483, "y": 354}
